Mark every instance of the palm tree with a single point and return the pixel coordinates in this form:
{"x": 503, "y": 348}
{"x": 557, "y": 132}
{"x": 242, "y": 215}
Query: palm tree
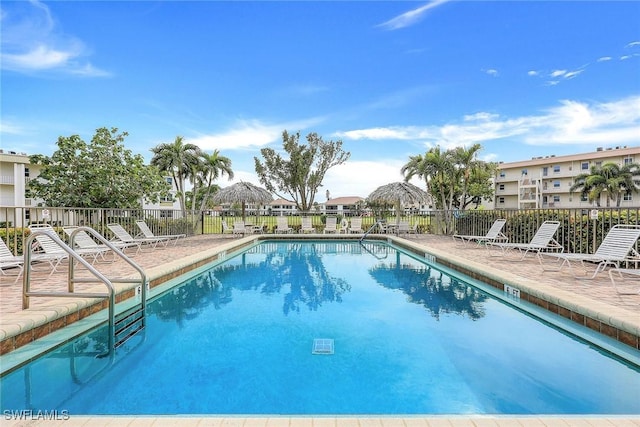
{"x": 214, "y": 166}
{"x": 178, "y": 159}
{"x": 611, "y": 179}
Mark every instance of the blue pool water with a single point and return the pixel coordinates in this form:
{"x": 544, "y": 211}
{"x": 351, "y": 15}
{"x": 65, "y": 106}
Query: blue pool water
{"x": 408, "y": 339}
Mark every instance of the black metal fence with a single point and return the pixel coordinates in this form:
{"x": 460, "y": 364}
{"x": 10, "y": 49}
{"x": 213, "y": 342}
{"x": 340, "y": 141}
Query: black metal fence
{"x": 581, "y": 230}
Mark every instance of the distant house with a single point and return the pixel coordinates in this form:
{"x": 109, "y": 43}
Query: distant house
{"x": 345, "y": 206}
{"x": 282, "y": 207}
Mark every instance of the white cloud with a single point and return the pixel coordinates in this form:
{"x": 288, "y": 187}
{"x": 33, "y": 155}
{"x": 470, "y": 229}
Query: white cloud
{"x": 557, "y": 73}
{"x": 604, "y": 59}
{"x": 492, "y": 72}
{"x": 633, "y": 44}
{"x": 411, "y": 17}
{"x": 354, "y": 178}
{"x": 250, "y": 134}
{"x": 571, "y": 122}
{"x": 31, "y": 43}
{"x": 533, "y": 73}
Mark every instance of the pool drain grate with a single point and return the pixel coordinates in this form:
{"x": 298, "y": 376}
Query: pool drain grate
{"x": 322, "y": 346}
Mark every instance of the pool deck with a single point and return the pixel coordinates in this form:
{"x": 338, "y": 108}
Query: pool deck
{"x": 593, "y": 299}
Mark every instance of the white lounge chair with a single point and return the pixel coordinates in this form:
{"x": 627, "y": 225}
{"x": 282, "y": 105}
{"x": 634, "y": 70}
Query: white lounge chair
{"x": 225, "y": 227}
{"x": 331, "y": 225}
{"x": 405, "y": 228}
{"x": 493, "y": 235}
{"x": 50, "y": 251}
{"x": 84, "y": 241}
{"x": 239, "y": 227}
{"x": 10, "y": 262}
{"x": 146, "y": 232}
{"x": 631, "y": 275}
{"x": 307, "y": 226}
{"x": 355, "y": 225}
{"x": 617, "y": 246}
{"x": 282, "y": 225}
{"x": 542, "y": 241}
{"x": 256, "y": 229}
{"x": 123, "y": 235}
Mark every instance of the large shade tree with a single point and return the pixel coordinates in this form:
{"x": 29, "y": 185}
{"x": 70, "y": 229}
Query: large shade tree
{"x": 301, "y": 174}
{"x": 101, "y": 174}
{"x": 610, "y": 179}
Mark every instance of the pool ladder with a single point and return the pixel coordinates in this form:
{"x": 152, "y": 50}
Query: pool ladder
{"x": 121, "y": 327}
{"x": 366, "y": 233}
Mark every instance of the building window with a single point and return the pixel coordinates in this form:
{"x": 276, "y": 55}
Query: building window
{"x": 525, "y": 172}
{"x": 556, "y": 199}
{"x": 598, "y": 164}
{"x": 628, "y": 160}
{"x": 501, "y": 200}
{"x": 584, "y": 166}
{"x": 545, "y": 171}
{"x": 556, "y": 184}
{"x": 584, "y": 198}
{"x": 502, "y": 174}
{"x": 501, "y": 187}
{"x": 545, "y": 199}
{"x": 26, "y": 172}
{"x": 627, "y": 197}
{"x": 556, "y": 169}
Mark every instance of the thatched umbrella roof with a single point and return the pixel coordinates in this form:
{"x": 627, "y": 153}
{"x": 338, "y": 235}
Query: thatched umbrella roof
{"x": 398, "y": 193}
{"x": 242, "y": 192}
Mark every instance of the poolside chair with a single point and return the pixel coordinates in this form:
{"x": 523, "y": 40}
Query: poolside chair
{"x": 405, "y": 228}
{"x": 619, "y": 274}
{"x": 123, "y": 235}
{"x": 8, "y": 261}
{"x": 50, "y": 251}
{"x": 307, "y": 226}
{"x": 542, "y": 241}
{"x": 256, "y": 229}
{"x": 617, "y": 246}
{"x": 239, "y": 228}
{"x": 356, "y": 225}
{"x": 331, "y": 225}
{"x": 282, "y": 225}
{"x": 84, "y": 241}
{"x": 225, "y": 227}
{"x": 146, "y": 232}
{"x": 493, "y": 235}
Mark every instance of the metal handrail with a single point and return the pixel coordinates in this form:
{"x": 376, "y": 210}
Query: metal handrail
{"x": 110, "y": 295}
{"x": 375, "y": 224}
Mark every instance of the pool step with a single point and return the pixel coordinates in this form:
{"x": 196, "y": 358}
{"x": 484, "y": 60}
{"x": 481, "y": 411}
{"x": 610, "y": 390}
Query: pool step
{"x": 127, "y": 324}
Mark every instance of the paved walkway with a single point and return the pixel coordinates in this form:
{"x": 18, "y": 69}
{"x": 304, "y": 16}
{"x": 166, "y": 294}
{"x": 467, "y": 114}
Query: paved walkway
{"x": 597, "y": 293}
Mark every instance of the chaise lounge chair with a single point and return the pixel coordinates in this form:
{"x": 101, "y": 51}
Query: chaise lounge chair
{"x": 146, "y": 232}
{"x": 331, "y": 226}
{"x": 542, "y": 241}
{"x": 84, "y": 241}
{"x": 10, "y": 261}
{"x": 493, "y": 235}
{"x": 355, "y": 225}
{"x": 307, "y": 226}
{"x": 282, "y": 225}
{"x": 123, "y": 235}
{"x": 617, "y": 246}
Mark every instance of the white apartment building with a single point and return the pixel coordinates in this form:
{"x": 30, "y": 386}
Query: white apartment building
{"x": 544, "y": 182}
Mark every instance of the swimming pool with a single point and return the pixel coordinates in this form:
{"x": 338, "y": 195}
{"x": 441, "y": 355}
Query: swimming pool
{"x": 408, "y": 337}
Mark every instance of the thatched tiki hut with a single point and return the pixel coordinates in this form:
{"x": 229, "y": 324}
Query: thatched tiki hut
{"x": 242, "y": 192}
{"x": 398, "y": 194}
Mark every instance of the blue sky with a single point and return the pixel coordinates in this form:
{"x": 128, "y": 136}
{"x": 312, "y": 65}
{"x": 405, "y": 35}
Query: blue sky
{"x": 390, "y": 79}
